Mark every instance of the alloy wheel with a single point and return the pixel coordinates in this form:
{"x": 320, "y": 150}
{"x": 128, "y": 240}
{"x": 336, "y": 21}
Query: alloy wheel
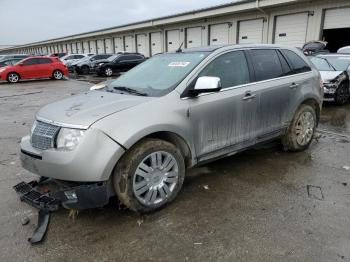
{"x": 13, "y": 78}
{"x": 305, "y": 128}
{"x": 155, "y": 178}
{"x": 57, "y": 75}
{"x": 108, "y": 71}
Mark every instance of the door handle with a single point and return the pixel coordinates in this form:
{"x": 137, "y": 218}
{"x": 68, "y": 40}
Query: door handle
{"x": 249, "y": 95}
{"x": 294, "y": 85}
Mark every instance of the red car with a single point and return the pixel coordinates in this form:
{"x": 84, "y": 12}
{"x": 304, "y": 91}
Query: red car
{"x": 34, "y": 67}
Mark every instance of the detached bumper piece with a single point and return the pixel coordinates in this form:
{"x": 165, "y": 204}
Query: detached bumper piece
{"x": 36, "y": 199}
{"x": 78, "y": 196}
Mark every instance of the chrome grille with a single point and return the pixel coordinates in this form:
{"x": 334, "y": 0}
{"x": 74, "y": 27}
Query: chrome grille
{"x": 43, "y": 136}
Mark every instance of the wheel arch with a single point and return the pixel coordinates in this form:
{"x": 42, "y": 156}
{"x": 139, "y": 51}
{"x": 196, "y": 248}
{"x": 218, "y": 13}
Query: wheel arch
{"x": 315, "y": 104}
{"x": 13, "y": 72}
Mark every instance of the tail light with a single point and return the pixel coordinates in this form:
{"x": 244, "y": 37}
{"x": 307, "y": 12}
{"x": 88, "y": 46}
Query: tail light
{"x": 321, "y": 84}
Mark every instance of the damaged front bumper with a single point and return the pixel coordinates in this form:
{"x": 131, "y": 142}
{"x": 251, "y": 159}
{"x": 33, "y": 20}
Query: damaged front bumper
{"x": 48, "y": 195}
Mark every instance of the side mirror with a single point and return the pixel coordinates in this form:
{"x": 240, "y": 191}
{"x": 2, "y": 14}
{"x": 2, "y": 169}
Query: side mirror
{"x": 207, "y": 84}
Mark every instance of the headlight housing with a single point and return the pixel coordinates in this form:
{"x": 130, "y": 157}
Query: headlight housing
{"x": 68, "y": 139}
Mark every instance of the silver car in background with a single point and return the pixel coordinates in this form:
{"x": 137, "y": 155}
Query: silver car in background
{"x": 136, "y": 137}
{"x": 335, "y": 71}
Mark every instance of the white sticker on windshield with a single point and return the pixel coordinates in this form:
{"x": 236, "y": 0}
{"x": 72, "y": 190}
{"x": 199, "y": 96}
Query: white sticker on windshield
{"x": 179, "y": 64}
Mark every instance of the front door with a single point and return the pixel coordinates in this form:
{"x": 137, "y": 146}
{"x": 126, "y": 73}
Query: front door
{"x": 29, "y": 69}
{"x": 225, "y": 120}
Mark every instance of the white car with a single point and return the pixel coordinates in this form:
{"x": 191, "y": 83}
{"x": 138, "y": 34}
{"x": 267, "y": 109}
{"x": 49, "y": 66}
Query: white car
{"x": 70, "y": 58}
{"x": 344, "y": 50}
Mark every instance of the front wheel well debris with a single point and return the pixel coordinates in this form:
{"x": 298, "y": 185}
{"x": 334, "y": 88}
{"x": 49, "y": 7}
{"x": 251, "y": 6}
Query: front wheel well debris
{"x": 313, "y": 103}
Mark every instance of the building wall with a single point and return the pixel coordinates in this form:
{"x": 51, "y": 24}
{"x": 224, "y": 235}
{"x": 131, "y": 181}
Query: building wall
{"x": 315, "y": 10}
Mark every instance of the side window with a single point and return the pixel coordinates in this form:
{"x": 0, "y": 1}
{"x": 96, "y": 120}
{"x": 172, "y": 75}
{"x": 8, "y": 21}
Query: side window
{"x": 287, "y": 70}
{"x": 32, "y": 61}
{"x": 267, "y": 64}
{"x": 78, "y": 56}
{"x": 231, "y": 68}
{"x": 297, "y": 63}
{"x": 45, "y": 61}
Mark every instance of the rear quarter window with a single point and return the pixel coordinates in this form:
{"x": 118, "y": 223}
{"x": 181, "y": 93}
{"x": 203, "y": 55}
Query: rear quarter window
{"x": 296, "y": 62}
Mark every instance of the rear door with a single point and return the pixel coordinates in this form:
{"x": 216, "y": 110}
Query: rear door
{"x": 271, "y": 71}
{"x": 44, "y": 67}
{"x": 225, "y": 121}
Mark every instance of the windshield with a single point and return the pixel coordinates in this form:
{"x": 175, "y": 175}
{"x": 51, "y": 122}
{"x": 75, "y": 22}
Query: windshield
{"x": 321, "y": 64}
{"x": 338, "y": 63}
{"x": 160, "y": 74}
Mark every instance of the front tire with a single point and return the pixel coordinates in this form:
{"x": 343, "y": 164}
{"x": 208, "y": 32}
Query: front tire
{"x": 342, "y": 94}
{"x": 108, "y": 71}
{"x": 149, "y": 176}
{"x": 85, "y": 70}
{"x": 301, "y": 130}
{"x": 13, "y": 78}
{"x": 57, "y": 75}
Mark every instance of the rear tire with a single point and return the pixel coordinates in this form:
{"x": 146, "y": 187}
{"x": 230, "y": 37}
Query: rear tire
{"x": 149, "y": 176}
{"x": 57, "y": 75}
{"x": 301, "y": 130}
{"x": 13, "y": 78}
{"x": 342, "y": 94}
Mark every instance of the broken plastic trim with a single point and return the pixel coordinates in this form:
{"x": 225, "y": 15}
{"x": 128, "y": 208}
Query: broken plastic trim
{"x": 41, "y": 228}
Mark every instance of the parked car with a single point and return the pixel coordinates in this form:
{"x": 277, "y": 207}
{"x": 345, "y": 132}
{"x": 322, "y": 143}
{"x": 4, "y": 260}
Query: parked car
{"x": 84, "y": 65}
{"x": 136, "y": 137}
{"x": 313, "y": 48}
{"x": 10, "y": 61}
{"x": 34, "y": 67}
{"x": 121, "y": 62}
{"x": 334, "y": 69}
{"x": 344, "y": 50}
{"x": 67, "y": 59}
{"x": 21, "y": 56}
{"x": 59, "y": 55}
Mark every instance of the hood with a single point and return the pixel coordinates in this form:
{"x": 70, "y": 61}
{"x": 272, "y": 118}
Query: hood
{"x": 84, "y": 110}
{"x": 329, "y": 75}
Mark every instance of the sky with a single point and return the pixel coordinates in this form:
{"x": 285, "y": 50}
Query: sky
{"x": 26, "y": 21}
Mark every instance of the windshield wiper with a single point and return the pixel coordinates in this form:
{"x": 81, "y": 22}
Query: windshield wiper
{"x": 129, "y": 90}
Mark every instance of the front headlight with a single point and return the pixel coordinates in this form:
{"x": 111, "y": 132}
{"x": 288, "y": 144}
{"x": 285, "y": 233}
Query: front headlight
{"x": 100, "y": 64}
{"x": 68, "y": 139}
{"x": 2, "y": 69}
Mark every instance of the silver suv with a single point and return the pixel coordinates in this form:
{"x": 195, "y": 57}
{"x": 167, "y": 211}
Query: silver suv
{"x": 136, "y": 137}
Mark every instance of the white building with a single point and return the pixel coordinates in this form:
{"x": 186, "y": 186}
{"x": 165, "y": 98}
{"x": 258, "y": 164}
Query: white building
{"x": 288, "y": 22}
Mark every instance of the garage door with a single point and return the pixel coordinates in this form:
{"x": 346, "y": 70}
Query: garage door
{"x": 219, "y": 34}
{"x": 250, "y": 31}
{"x": 291, "y": 29}
{"x": 79, "y": 48}
{"x": 194, "y": 37}
{"x": 129, "y": 43}
{"x": 141, "y": 44}
{"x": 69, "y": 49}
{"x": 93, "y": 46}
{"x": 108, "y": 45}
{"x": 118, "y": 44}
{"x": 100, "y": 46}
{"x": 86, "y": 47}
{"x": 156, "y": 43}
{"x": 337, "y": 18}
{"x": 173, "y": 40}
